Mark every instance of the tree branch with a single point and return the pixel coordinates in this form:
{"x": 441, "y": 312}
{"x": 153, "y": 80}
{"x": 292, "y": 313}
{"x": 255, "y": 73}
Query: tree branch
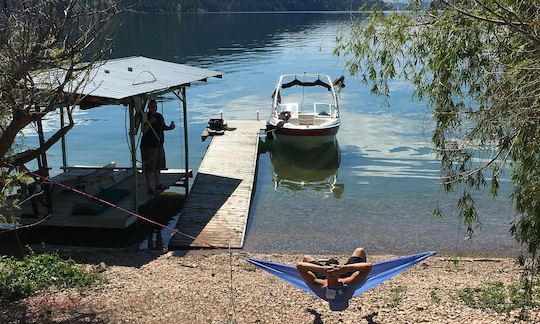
{"x": 471, "y": 15}
{"x": 29, "y": 155}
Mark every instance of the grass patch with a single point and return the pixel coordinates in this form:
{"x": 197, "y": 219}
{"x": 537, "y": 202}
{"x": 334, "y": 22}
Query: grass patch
{"x": 455, "y": 264}
{"x": 500, "y": 298}
{"x": 396, "y": 296}
{"x": 435, "y": 298}
{"x": 20, "y": 278}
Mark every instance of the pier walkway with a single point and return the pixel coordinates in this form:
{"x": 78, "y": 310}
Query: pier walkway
{"x": 217, "y": 208}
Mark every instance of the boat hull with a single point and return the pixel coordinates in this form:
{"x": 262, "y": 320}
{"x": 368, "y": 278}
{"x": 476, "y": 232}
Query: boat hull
{"x": 306, "y": 138}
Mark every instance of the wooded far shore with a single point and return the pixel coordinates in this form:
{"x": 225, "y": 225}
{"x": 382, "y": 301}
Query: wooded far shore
{"x": 192, "y": 6}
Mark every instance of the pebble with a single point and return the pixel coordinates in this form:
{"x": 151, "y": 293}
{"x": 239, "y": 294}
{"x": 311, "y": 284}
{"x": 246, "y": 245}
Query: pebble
{"x": 168, "y": 255}
{"x": 101, "y": 267}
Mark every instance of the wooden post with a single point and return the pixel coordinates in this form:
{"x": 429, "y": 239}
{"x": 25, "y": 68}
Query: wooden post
{"x": 186, "y": 150}
{"x": 44, "y": 167}
{"x": 133, "y": 156}
{"x": 64, "y": 154}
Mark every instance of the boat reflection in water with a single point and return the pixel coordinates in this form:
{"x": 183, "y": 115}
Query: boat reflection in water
{"x": 302, "y": 170}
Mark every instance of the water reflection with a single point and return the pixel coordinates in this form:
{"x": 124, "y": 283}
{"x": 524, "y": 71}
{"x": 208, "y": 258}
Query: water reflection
{"x": 154, "y": 238}
{"x": 222, "y": 37}
{"x": 296, "y": 170}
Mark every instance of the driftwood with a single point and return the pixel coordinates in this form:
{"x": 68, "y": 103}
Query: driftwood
{"x": 470, "y": 260}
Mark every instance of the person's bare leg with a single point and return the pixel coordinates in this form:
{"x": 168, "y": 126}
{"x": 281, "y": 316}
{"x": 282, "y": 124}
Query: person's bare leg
{"x": 359, "y": 275}
{"x": 359, "y": 253}
{"x": 308, "y": 258}
{"x": 160, "y": 163}
{"x": 148, "y": 179}
{"x": 157, "y": 177}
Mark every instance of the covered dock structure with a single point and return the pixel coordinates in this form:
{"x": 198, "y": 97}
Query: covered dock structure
{"x": 129, "y": 82}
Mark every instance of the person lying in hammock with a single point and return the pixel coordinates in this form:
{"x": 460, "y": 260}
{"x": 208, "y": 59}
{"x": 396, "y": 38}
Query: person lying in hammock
{"x": 333, "y": 282}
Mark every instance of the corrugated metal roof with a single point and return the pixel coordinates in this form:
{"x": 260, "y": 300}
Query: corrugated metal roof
{"x": 122, "y": 78}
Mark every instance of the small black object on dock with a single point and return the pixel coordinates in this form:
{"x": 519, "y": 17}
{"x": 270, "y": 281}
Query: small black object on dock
{"x": 216, "y": 126}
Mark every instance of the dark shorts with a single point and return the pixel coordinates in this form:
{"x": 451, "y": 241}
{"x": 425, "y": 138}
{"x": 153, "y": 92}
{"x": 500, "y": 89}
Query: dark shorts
{"x": 153, "y": 158}
{"x": 354, "y": 259}
{"x": 351, "y": 260}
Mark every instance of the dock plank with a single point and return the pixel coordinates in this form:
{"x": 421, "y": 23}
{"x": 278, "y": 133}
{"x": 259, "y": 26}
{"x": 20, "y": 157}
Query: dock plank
{"x": 217, "y": 208}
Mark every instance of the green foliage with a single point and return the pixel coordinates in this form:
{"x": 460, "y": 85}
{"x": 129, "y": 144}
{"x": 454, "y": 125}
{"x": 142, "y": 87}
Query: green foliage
{"x": 477, "y": 65}
{"x": 8, "y": 181}
{"x": 455, "y": 264}
{"x": 497, "y": 297}
{"x": 396, "y": 296}
{"x": 35, "y": 272}
{"x": 437, "y": 214}
{"x": 435, "y": 298}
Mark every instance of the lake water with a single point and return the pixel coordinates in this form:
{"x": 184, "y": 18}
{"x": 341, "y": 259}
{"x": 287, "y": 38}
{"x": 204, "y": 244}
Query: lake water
{"x": 377, "y": 189}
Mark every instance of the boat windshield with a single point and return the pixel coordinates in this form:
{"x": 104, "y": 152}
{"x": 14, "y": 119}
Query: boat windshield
{"x": 304, "y": 95}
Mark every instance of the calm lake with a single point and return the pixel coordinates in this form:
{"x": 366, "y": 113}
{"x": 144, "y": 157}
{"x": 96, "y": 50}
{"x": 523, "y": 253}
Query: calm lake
{"x": 377, "y": 189}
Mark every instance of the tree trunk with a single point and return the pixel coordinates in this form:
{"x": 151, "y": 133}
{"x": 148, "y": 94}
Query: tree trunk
{"x": 29, "y": 155}
{"x": 19, "y": 121}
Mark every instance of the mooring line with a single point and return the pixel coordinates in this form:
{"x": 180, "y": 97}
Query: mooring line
{"x": 48, "y": 180}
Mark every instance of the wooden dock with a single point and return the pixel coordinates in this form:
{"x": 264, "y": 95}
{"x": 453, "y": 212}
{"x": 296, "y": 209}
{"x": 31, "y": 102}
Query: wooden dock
{"x": 217, "y": 208}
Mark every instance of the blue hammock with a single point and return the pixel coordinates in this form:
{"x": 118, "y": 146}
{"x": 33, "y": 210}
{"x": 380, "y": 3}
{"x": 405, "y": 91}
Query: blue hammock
{"x": 379, "y": 273}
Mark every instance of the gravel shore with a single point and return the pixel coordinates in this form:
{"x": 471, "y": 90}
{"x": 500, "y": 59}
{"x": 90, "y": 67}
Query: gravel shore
{"x": 145, "y": 287}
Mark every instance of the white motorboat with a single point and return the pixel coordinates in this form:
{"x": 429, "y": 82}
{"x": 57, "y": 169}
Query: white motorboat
{"x": 305, "y": 110}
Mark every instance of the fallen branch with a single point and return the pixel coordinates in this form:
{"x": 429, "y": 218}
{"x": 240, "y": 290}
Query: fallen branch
{"x": 471, "y": 260}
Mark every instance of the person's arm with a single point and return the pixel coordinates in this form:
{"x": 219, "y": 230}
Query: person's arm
{"x": 170, "y": 127}
{"x": 359, "y": 270}
{"x": 306, "y": 270}
{"x": 167, "y": 127}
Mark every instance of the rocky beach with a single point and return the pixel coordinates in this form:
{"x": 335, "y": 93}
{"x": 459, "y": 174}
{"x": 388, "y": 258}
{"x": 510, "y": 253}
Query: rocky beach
{"x": 195, "y": 287}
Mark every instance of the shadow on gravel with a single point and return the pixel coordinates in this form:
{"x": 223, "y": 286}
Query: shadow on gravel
{"x": 318, "y": 318}
{"x": 369, "y": 318}
{"x": 46, "y": 311}
{"x": 128, "y": 257}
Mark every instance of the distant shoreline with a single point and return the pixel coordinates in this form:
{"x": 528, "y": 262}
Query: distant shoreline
{"x": 259, "y": 12}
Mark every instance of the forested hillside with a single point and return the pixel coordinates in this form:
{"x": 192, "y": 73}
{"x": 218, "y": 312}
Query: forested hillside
{"x": 249, "y": 5}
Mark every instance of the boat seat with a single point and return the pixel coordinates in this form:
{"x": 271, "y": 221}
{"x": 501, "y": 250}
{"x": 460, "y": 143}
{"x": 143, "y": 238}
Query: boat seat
{"x": 322, "y": 108}
{"x": 291, "y": 107}
{"x": 306, "y": 119}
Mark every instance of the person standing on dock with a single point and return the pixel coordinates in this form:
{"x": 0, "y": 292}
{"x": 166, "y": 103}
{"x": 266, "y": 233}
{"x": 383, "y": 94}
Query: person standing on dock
{"x": 152, "y": 151}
